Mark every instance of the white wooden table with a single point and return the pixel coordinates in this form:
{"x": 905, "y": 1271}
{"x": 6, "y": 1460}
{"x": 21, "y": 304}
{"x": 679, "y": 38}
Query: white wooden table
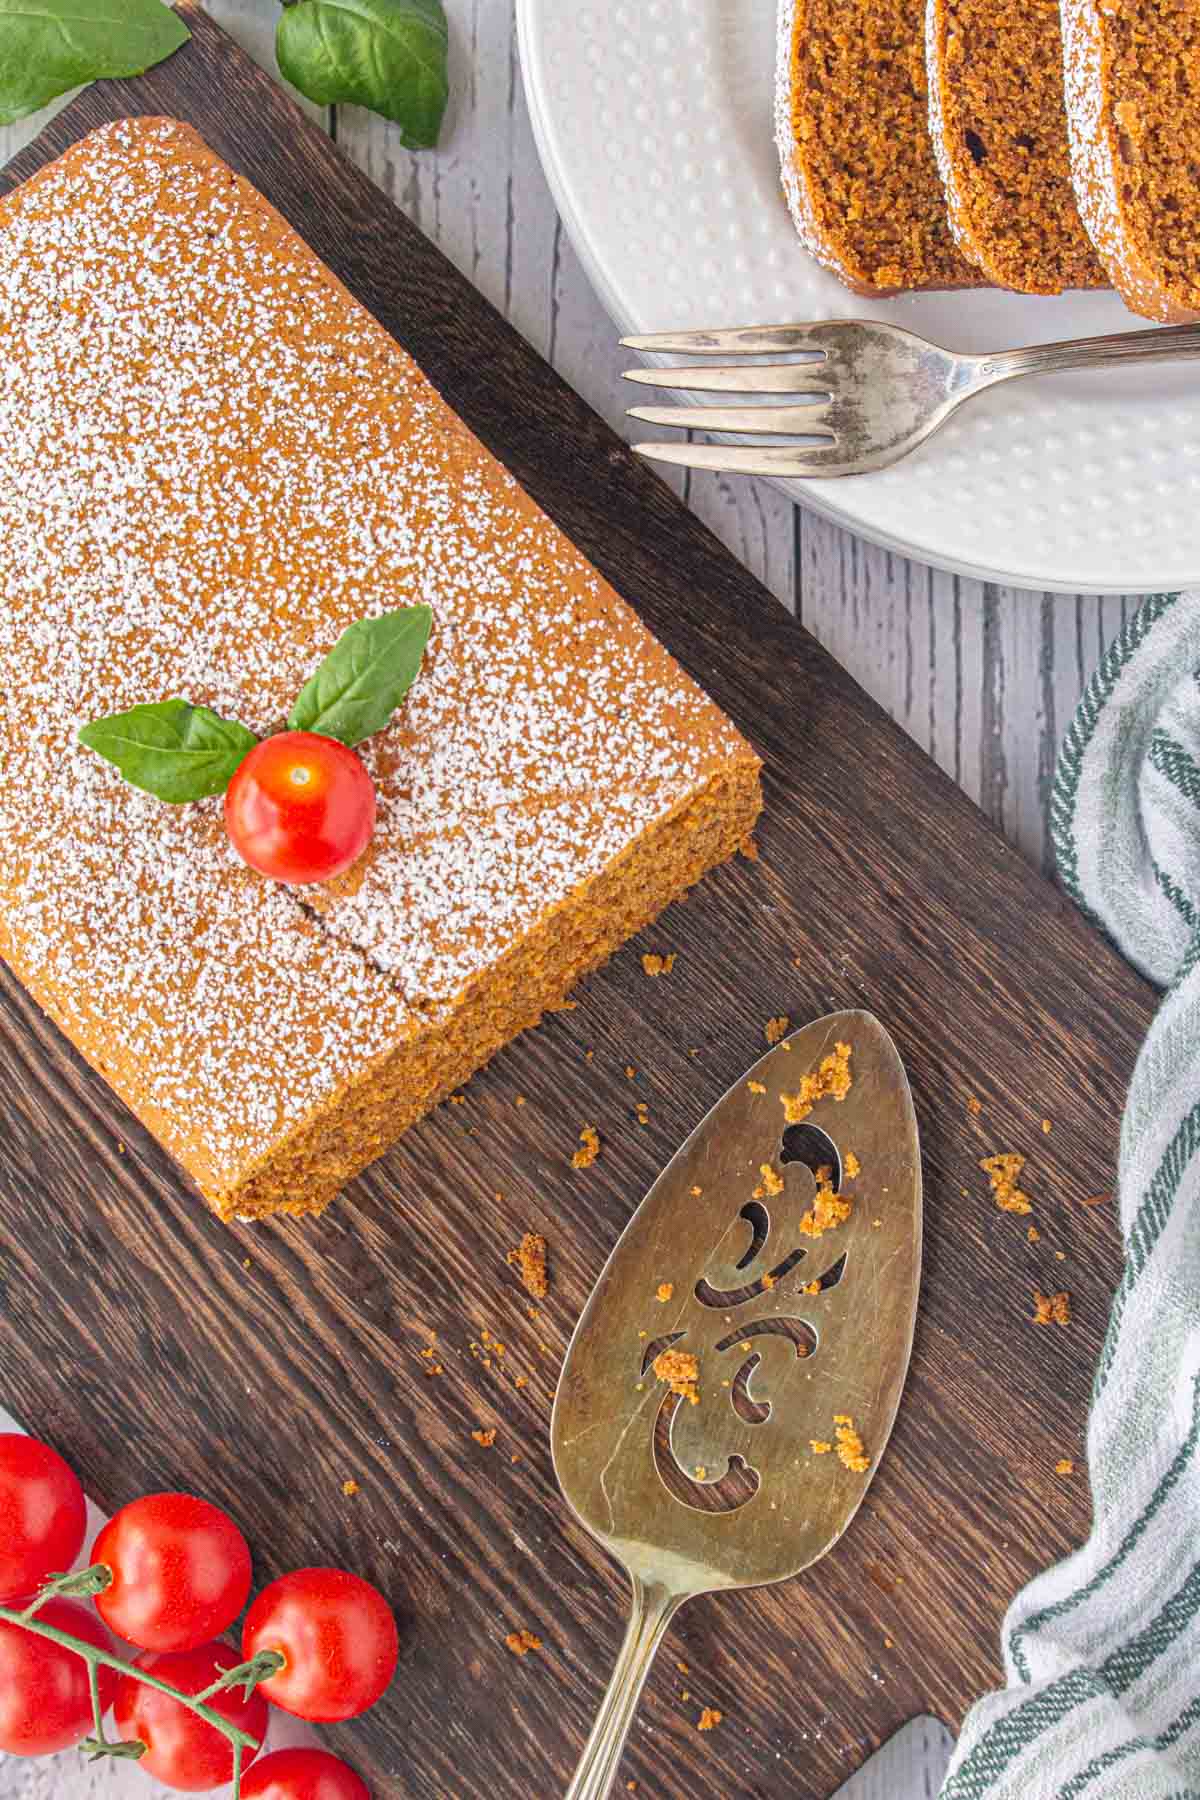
{"x": 983, "y": 677}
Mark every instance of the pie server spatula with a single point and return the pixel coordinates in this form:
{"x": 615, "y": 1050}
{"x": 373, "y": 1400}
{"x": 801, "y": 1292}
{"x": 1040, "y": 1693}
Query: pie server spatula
{"x": 796, "y": 1338}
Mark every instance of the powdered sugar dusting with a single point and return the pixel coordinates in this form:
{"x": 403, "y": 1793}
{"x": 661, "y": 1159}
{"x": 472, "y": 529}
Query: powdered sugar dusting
{"x": 213, "y": 461}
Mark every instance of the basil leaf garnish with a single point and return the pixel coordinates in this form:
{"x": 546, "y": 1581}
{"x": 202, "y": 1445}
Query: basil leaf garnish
{"x": 48, "y": 46}
{"x": 365, "y": 676}
{"x": 171, "y": 749}
{"x": 388, "y": 55}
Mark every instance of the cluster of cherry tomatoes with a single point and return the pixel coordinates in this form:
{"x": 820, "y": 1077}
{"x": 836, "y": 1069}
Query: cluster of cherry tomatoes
{"x": 176, "y": 1574}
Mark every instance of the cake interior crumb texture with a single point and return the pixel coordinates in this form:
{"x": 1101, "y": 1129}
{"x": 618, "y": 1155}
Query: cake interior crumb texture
{"x": 999, "y": 127}
{"x": 852, "y": 120}
{"x": 212, "y": 461}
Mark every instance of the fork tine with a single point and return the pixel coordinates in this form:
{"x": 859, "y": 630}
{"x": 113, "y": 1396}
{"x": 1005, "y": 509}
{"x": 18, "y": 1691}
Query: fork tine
{"x": 795, "y": 419}
{"x": 737, "y": 340}
{"x": 737, "y": 378}
{"x": 752, "y": 459}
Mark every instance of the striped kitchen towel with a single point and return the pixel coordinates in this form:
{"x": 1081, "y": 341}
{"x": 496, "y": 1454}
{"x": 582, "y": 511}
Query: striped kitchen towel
{"x": 1102, "y": 1653}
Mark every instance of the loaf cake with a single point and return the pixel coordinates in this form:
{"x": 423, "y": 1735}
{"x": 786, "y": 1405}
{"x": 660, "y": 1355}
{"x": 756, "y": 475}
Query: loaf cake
{"x": 852, "y": 125}
{"x": 999, "y": 130}
{"x": 1133, "y": 90}
{"x": 212, "y": 460}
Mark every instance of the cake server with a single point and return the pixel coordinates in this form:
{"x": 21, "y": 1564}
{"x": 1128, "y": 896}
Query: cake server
{"x": 866, "y": 394}
{"x": 792, "y": 1334}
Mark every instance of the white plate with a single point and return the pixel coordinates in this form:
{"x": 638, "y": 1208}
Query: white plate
{"x": 653, "y": 118}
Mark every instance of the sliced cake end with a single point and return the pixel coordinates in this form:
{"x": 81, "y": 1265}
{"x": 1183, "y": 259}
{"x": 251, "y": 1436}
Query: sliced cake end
{"x": 999, "y": 130}
{"x": 852, "y": 125}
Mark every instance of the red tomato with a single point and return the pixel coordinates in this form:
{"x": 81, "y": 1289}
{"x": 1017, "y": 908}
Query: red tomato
{"x": 42, "y": 1514}
{"x": 181, "y": 1749}
{"x": 338, "y": 1639}
{"x": 303, "y": 1775}
{"x": 300, "y": 807}
{"x": 44, "y": 1700}
{"x": 180, "y": 1571}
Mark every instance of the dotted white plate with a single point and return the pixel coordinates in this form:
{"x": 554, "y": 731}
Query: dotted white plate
{"x": 653, "y": 118}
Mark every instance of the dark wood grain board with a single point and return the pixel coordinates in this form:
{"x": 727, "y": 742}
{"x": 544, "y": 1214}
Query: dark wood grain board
{"x": 265, "y": 1366}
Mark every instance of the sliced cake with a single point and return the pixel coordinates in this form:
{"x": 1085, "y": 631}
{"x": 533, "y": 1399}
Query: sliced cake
{"x": 999, "y": 130}
{"x": 212, "y": 461}
{"x": 852, "y": 125}
{"x": 1133, "y": 109}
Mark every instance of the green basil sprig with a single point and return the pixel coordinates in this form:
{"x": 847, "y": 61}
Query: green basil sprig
{"x": 388, "y": 55}
{"x": 180, "y": 752}
{"x": 49, "y": 46}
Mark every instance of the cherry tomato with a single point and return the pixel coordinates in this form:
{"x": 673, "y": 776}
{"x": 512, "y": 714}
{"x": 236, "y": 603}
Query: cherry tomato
{"x": 42, "y": 1514}
{"x": 180, "y": 1571}
{"x": 44, "y": 1700}
{"x": 300, "y": 807}
{"x": 181, "y": 1749}
{"x": 303, "y": 1775}
{"x": 338, "y": 1639}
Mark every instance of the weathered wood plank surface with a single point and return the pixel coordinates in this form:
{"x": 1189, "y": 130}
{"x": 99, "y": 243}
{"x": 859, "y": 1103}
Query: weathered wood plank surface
{"x": 979, "y": 677}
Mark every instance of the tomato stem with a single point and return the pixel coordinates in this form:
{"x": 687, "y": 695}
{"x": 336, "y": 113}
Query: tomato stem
{"x": 84, "y": 1584}
{"x": 247, "y": 1675}
{"x": 96, "y": 1659}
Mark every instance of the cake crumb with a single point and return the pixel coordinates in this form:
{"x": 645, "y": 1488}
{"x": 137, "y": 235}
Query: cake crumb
{"x": 851, "y": 1452}
{"x": 529, "y": 1259}
{"x": 701, "y": 1472}
{"x": 486, "y": 1438}
{"x": 522, "y": 1642}
{"x": 757, "y": 1087}
{"x": 772, "y": 1183}
{"x": 832, "y": 1080}
{"x": 589, "y": 1148}
{"x": 664, "y": 1290}
{"x": 709, "y": 1719}
{"x": 520, "y": 1100}
{"x": 630, "y": 1071}
{"x": 696, "y": 1191}
{"x": 776, "y": 1028}
{"x": 828, "y": 1210}
{"x": 1051, "y": 1309}
{"x": 683, "y": 1668}
{"x": 1064, "y": 1466}
{"x": 1033, "y": 1235}
{"x": 853, "y": 1166}
{"x": 974, "y": 1106}
{"x": 658, "y": 965}
{"x": 350, "y": 1487}
{"x": 680, "y": 1369}
{"x": 811, "y": 1287}
{"x": 1003, "y": 1173}
{"x": 1047, "y": 1125}
{"x": 820, "y": 1446}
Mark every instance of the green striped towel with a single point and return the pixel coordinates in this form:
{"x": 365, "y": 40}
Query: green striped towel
{"x": 1102, "y": 1653}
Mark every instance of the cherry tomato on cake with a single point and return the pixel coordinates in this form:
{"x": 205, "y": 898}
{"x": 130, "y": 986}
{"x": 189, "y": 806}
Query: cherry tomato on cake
{"x": 300, "y": 807}
{"x": 303, "y": 1774}
{"x": 336, "y": 1635}
{"x": 182, "y": 1750}
{"x": 45, "y": 1704}
{"x": 180, "y": 1571}
{"x": 42, "y": 1514}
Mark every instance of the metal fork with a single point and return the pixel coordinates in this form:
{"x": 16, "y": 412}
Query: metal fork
{"x": 887, "y": 389}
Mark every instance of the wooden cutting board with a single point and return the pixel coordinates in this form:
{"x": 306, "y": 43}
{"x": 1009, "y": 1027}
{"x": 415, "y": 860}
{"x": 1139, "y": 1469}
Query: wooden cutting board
{"x": 265, "y": 1367}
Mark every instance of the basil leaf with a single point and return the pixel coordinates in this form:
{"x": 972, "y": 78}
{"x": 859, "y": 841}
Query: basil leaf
{"x": 388, "y": 55}
{"x": 48, "y": 46}
{"x": 171, "y": 749}
{"x": 365, "y": 676}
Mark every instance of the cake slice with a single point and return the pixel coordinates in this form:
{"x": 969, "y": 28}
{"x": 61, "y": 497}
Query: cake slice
{"x": 999, "y": 130}
{"x": 213, "y": 460}
{"x": 852, "y": 125}
{"x": 1133, "y": 100}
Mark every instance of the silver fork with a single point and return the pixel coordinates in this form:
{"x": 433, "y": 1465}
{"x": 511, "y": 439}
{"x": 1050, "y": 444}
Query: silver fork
{"x": 887, "y": 389}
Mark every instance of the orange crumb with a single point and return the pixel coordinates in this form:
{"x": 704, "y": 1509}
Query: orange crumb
{"x": 757, "y": 1087}
{"x": 1003, "y": 1173}
{"x": 1033, "y": 1235}
{"x": 246, "y": 1263}
{"x": 1060, "y": 1256}
{"x": 522, "y": 1642}
{"x": 853, "y": 1166}
{"x": 589, "y": 1150}
{"x": 701, "y": 1472}
{"x": 827, "y": 1210}
{"x": 521, "y": 1381}
{"x": 697, "y": 1192}
{"x": 749, "y": 849}
{"x": 768, "y": 1281}
{"x": 776, "y": 1028}
{"x": 1047, "y": 1125}
{"x": 831, "y": 1081}
{"x": 820, "y": 1446}
{"x": 486, "y": 1438}
{"x": 520, "y": 1100}
{"x": 658, "y": 965}
{"x": 588, "y": 1055}
{"x": 680, "y": 1369}
{"x": 974, "y": 1106}
{"x": 1064, "y": 1466}
{"x": 530, "y": 1259}
{"x": 851, "y": 1452}
{"x": 665, "y": 1290}
{"x": 1051, "y": 1309}
{"x": 682, "y": 1667}
{"x": 643, "y": 1113}
{"x": 458, "y": 1099}
{"x": 630, "y": 1071}
{"x": 350, "y": 1488}
{"x": 709, "y": 1719}
{"x": 771, "y": 1182}
{"x": 811, "y": 1287}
